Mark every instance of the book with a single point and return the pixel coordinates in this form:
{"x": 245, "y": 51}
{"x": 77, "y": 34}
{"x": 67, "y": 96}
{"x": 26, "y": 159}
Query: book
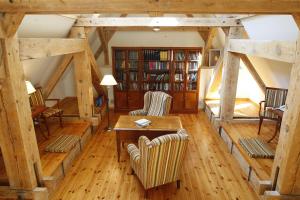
{"x": 142, "y": 122}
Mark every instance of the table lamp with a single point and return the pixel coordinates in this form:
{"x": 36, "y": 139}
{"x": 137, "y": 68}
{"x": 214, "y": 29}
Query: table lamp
{"x": 30, "y": 88}
{"x": 108, "y": 81}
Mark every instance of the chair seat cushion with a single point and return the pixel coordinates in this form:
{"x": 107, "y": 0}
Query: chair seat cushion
{"x": 51, "y": 111}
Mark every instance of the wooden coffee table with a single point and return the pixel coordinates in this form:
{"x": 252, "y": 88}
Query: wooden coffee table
{"x": 127, "y": 130}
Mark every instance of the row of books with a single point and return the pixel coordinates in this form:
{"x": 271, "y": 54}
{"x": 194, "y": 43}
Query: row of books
{"x": 194, "y": 56}
{"x": 192, "y": 77}
{"x": 180, "y": 56}
{"x": 133, "y": 55}
{"x": 121, "y": 76}
{"x": 121, "y": 86}
{"x": 178, "y": 77}
{"x": 132, "y": 64}
{"x": 120, "y": 64}
{"x": 133, "y": 86}
{"x": 155, "y": 77}
{"x": 156, "y": 86}
{"x": 156, "y": 65}
{"x": 179, "y": 87}
{"x": 151, "y": 54}
{"x": 193, "y": 66}
{"x": 120, "y": 55}
{"x": 133, "y": 76}
{"x": 192, "y": 86}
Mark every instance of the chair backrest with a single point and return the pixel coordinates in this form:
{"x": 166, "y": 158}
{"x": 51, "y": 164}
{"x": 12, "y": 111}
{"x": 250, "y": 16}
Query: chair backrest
{"x": 161, "y": 159}
{"x": 36, "y": 98}
{"x": 160, "y": 104}
{"x": 275, "y": 97}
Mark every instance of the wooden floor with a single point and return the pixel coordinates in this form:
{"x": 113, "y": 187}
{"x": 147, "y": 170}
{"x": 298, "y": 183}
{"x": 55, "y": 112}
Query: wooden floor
{"x": 244, "y": 108}
{"x": 70, "y": 107}
{"x": 209, "y": 171}
{"x": 50, "y": 161}
{"x": 262, "y": 167}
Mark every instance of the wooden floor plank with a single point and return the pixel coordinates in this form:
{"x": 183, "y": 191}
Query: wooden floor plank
{"x": 209, "y": 171}
{"x": 261, "y": 166}
{"x": 244, "y": 108}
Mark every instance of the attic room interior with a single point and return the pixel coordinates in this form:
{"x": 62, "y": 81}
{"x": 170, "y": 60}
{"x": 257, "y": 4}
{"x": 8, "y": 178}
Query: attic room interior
{"x": 152, "y": 99}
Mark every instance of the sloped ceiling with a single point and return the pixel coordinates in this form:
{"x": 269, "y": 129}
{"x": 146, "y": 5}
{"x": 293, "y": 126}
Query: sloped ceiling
{"x": 275, "y": 27}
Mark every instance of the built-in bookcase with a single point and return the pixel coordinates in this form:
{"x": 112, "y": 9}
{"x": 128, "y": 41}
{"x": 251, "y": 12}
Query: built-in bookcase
{"x": 172, "y": 70}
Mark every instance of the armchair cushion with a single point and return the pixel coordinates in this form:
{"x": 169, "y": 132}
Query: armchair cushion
{"x": 138, "y": 112}
{"x": 159, "y": 161}
{"x": 51, "y": 111}
{"x": 158, "y": 104}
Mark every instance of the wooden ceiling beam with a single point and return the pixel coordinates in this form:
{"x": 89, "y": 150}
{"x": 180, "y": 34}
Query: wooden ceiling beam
{"x": 208, "y": 45}
{"x": 146, "y": 6}
{"x": 104, "y": 41}
{"x": 31, "y": 48}
{"x": 144, "y": 28}
{"x": 276, "y": 50}
{"x": 297, "y": 19}
{"x": 109, "y": 36}
{"x": 10, "y": 23}
{"x": 157, "y": 21}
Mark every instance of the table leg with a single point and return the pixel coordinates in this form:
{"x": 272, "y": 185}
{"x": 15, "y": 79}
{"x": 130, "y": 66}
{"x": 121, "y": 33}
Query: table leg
{"x": 118, "y": 144}
{"x": 40, "y": 126}
{"x": 278, "y": 123}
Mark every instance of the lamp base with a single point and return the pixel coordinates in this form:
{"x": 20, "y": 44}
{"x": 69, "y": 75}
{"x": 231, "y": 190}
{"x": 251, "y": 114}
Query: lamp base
{"x": 108, "y": 129}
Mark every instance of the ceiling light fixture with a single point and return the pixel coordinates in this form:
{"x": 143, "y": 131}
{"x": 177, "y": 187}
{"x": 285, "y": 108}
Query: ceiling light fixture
{"x": 156, "y": 29}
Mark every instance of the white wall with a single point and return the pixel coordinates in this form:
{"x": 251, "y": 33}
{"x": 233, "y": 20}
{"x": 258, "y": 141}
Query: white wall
{"x": 272, "y": 27}
{"x": 38, "y": 71}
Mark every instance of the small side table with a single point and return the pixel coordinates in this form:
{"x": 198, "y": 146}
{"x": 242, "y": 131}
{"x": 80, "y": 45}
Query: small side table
{"x": 36, "y": 112}
{"x": 279, "y": 113}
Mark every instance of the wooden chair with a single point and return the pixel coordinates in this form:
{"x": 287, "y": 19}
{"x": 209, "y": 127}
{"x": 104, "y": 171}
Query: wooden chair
{"x": 274, "y": 98}
{"x": 37, "y": 99}
{"x": 155, "y": 104}
{"x": 159, "y": 161}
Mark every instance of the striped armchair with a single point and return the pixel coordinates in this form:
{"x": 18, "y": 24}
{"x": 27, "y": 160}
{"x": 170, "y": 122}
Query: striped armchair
{"x": 274, "y": 98}
{"x": 159, "y": 161}
{"x": 37, "y": 99}
{"x": 155, "y": 104}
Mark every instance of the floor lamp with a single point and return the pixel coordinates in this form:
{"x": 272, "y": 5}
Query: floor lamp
{"x": 108, "y": 81}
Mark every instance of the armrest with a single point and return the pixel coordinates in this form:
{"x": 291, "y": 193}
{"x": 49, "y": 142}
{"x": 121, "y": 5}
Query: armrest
{"x": 57, "y": 101}
{"x": 134, "y": 152}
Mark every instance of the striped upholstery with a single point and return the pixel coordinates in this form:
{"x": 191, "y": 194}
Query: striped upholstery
{"x": 274, "y": 98}
{"x": 36, "y": 98}
{"x": 51, "y": 112}
{"x": 155, "y": 104}
{"x": 159, "y": 161}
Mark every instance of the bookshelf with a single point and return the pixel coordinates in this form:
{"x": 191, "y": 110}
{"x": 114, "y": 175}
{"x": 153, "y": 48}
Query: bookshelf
{"x": 172, "y": 70}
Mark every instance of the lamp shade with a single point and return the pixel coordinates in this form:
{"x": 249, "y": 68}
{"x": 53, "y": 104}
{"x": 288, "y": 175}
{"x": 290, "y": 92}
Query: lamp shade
{"x": 30, "y": 88}
{"x": 108, "y": 80}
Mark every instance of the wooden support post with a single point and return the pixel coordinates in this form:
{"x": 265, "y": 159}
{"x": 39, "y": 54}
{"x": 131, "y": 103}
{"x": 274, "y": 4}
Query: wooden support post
{"x": 104, "y": 40}
{"x": 287, "y": 157}
{"x": 10, "y": 23}
{"x": 231, "y": 64}
{"x": 17, "y": 136}
{"x": 110, "y": 35}
{"x": 83, "y": 78}
{"x": 216, "y": 79}
{"x": 208, "y": 45}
